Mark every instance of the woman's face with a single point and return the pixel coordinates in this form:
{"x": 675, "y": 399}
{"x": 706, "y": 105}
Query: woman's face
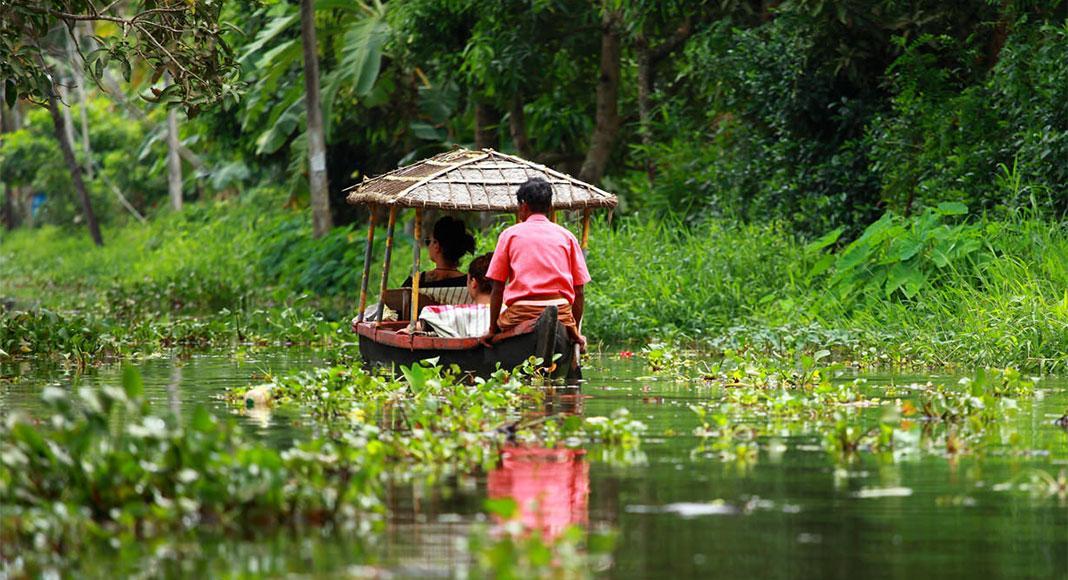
{"x": 433, "y": 249}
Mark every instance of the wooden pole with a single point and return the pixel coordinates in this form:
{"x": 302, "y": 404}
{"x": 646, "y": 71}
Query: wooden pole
{"x": 552, "y": 216}
{"x": 366, "y": 277}
{"x": 585, "y": 228}
{"x": 385, "y": 266}
{"x": 415, "y": 266}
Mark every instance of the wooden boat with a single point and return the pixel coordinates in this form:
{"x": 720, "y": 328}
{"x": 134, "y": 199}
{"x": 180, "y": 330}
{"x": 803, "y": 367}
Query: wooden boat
{"x": 381, "y": 345}
{"x": 464, "y": 181}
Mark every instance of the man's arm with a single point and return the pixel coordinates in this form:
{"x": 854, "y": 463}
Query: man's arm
{"x": 579, "y": 304}
{"x": 496, "y": 300}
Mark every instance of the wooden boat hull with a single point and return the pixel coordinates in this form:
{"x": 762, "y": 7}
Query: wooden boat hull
{"x": 382, "y": 346}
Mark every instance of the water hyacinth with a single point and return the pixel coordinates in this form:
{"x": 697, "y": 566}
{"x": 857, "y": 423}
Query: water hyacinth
{"x": 104, "y": 466}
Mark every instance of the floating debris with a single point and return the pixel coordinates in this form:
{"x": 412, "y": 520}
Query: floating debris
{"x": 879, "y": 492}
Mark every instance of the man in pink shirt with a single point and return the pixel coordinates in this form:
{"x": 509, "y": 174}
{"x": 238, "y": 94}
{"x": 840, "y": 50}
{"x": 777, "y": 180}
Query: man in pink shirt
{"x": 536, "y": 264}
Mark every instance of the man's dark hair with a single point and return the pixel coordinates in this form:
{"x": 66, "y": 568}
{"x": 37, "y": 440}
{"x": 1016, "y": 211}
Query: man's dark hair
{"x": 537, "y": 194}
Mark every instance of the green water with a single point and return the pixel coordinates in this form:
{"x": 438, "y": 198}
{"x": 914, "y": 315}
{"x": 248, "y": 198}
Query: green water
{"x": 793, "y": 512}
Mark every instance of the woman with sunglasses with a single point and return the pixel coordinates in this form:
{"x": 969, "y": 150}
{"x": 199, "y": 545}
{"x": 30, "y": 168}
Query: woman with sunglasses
{"x": 446, "y": 247}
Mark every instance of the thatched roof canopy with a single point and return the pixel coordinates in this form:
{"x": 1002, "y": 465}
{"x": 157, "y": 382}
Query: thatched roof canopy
{"x": 465, "y": 180}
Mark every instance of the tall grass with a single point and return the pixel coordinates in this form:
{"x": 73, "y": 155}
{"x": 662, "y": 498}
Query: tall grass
{"x": 1009, "y": 309}
{"x": 1003, "y": 302}
{"x": 653, "y": 277}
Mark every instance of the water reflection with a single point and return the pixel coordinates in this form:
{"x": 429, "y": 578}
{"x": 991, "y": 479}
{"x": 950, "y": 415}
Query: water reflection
{"x": 174, "y": 390}
{"x": 550, "y": 486}
{"x": 905, "y": 514}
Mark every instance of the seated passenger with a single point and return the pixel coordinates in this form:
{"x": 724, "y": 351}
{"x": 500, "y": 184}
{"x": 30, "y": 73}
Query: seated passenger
{"x": 463, "y": 320}
{"x": 446, "y": 246}
{"x": 537, "y": 264}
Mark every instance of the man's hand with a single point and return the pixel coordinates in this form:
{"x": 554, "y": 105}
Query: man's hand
{"x": 487, "y": 339}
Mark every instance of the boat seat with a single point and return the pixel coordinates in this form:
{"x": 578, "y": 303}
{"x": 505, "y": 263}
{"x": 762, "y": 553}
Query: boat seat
{"x": 399, "y": 299}
{"x": 458, "y": 295}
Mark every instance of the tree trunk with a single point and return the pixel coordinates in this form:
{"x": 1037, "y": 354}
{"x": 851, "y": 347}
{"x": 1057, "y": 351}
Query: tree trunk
{"x": 648, "y": 59}
{"x": 174, "y": 163}
{"x": 9, "y": 207}
{"x": 68, "y": 119}
{"x": 607, "y": 120}
{"x": 318, "y": 187}
{"x": 486, "y": 121}
{"x": 75, "y": 169}
{"x": 79, "y": 86}
{"x": 7, "y": 125}
{"x": 1000, "y": 35}
{"x": 517, "y": 126}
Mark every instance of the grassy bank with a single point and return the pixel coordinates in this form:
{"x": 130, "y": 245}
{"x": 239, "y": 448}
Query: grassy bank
{"x": 940, "y": 287}
{"x": 936, "y": 288}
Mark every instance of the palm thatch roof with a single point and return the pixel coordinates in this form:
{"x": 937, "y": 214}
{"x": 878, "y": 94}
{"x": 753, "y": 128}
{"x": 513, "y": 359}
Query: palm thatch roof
{"x": 467, "y": 180}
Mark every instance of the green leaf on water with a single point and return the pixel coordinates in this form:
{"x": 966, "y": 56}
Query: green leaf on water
{"x": 600, "y": 542}
{"x": 505, "y": 507}
{"x": 32, "y": 438}
{"x": 539, "y": 554}
{"x": 418, "y": 375}
{"x": 132, "y": 383}
{"x": 572, "y": 423}
{"x": 202, "y": 420}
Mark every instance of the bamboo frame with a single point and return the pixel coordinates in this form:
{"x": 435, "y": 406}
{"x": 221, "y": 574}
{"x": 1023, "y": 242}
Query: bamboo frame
{"x": 586, "y": 229}
{"x": 365, "y": 278}
{"x": 418, "y": 233}
{"x": 385, "y": 266}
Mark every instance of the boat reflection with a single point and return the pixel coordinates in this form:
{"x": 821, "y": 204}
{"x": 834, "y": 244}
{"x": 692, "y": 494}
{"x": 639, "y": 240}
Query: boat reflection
{"x": 550, "y": 486}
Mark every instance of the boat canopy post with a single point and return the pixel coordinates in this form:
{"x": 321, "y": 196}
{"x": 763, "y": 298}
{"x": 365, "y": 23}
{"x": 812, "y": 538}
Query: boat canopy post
{"x": 415, "y": 265}
{"x": 365, "y": 278}
{"x": 385, "y": 266}
{"x": 585, "y": 228}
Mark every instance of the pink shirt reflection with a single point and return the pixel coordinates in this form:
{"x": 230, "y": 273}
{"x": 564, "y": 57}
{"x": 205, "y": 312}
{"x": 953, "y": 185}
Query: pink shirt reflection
{"x": 551, "y": 486}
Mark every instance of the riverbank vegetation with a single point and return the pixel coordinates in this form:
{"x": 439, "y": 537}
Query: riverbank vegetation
{"x": 936, "y": 288}
{"x": 803, "y": 174}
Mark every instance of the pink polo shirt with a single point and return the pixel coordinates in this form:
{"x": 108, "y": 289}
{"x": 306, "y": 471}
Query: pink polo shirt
{"x": 538, "y": 258}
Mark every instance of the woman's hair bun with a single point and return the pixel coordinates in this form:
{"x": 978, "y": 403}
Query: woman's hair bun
{"x": 451, "y": 234}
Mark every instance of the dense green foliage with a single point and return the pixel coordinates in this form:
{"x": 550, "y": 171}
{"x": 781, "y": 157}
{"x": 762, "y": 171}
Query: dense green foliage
{"x": 815, "y": 113}
{"x": 827, "y": 113}
{"x": 934, "y": 288}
